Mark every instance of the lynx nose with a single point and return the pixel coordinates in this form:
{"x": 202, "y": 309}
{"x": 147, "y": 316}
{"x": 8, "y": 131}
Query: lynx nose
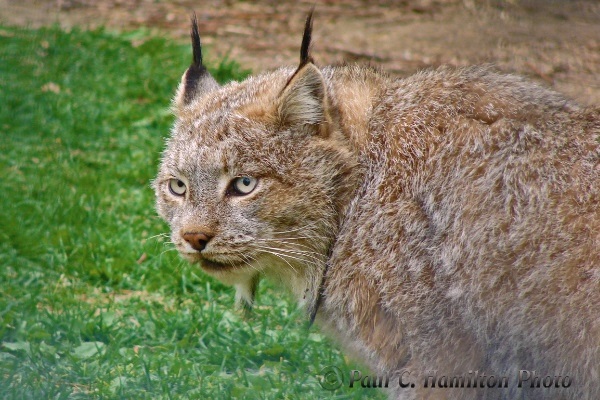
{"x": 197, "y": 240}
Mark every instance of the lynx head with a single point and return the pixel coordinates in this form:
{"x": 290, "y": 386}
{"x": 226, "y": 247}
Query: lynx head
{"x": 255, "y": 174}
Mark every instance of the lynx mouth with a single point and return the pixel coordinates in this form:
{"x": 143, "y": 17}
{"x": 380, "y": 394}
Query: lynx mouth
{"x": 215, "y": 266}
{"x": 211, "y": 264}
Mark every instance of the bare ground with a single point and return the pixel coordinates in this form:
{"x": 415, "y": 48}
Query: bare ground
{"x": 556, "y": 42}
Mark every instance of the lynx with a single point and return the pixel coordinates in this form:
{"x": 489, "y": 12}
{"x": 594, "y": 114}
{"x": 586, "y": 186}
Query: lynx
{"x": 448, "y": 221}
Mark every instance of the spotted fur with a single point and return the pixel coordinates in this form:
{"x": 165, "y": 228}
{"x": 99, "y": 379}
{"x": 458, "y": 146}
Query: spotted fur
{"x": 447, "y": 221}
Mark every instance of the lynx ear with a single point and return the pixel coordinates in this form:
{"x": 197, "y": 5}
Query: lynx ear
{"x": 196, "y": 81}
{"x": 303, "y": 101}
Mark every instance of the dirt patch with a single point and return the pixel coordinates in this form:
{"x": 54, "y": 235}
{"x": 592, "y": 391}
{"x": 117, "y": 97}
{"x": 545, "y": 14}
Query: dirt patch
{"x": 555, "y": 42}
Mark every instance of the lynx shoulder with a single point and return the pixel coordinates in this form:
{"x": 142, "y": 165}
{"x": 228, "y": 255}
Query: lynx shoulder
{"x": 448, "y": 221}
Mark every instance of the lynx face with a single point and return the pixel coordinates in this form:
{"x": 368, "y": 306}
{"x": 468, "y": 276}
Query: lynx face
{"x": 237, "y": 182}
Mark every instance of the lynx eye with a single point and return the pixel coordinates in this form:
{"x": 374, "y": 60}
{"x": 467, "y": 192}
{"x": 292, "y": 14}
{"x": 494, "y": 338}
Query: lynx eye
{"x": 243, "y": 185}
{"x": 177, "y": 187}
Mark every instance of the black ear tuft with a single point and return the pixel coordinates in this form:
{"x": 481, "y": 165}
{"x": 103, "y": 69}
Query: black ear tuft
{"x": 196, "y": 81}
{"x": 196, "y": 71}
{"x": 305, "y": 57}
{"x": 303, "y": 100}
{"x": 196, "y": 45}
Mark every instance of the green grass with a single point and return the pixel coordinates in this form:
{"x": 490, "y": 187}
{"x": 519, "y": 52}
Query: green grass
{"x": 93, "y": 304}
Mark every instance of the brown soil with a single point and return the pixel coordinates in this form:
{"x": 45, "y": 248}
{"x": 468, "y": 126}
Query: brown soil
{"x": 556, "y": 42}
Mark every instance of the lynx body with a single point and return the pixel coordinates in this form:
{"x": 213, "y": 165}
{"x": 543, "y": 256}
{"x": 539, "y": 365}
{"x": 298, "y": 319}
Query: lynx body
{"x": 448, "y": 221}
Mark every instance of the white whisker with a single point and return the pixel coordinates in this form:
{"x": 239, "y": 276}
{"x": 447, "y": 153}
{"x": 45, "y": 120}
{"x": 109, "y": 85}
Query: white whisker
{"x": 245, "y": 258}
{"x": 297, "y": 238}
{"x": 298, "y": 257}
{"x": 282, "y": 257}
{"x": 311, "y": 254}
{"x": 159, "y": 235}
{"x": 167, "y": 250}
{"x": 284, "y": 242}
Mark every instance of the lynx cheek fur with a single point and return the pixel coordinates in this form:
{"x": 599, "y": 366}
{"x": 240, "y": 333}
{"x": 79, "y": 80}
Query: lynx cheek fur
{"x": 448, "y": 221}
